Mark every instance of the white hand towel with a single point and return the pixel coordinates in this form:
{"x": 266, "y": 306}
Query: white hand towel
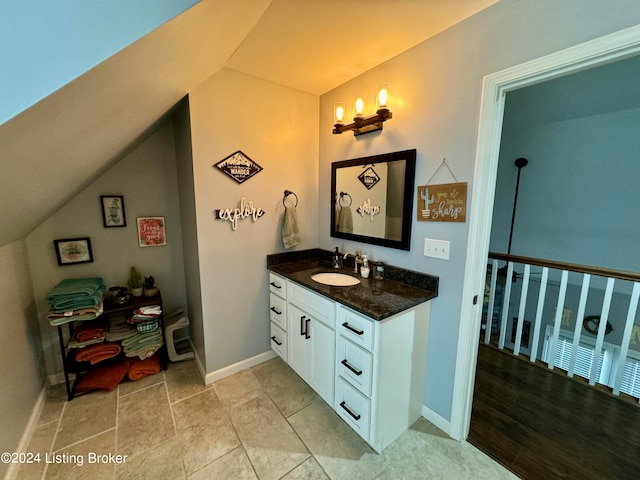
{"x": 290, "y": 232}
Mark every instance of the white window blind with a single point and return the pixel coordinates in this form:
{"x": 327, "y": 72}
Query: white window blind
{"x": 585, "y": 357}
{"x": 631, "y": 377}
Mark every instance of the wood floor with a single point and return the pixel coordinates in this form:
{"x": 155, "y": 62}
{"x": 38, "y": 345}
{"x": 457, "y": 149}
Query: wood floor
{"x": 541, "y": 425}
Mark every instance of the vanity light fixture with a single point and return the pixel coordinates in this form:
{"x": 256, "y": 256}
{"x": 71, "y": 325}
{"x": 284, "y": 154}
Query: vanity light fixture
{"x": 363, "y": 124}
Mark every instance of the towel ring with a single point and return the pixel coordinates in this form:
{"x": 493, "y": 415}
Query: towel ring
{"x": 286, "y": 194}
{"x": 345, "y": 194}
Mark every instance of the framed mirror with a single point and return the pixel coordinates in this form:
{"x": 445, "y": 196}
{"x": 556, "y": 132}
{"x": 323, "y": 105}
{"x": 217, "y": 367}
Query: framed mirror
{"x": 372, "y": 199}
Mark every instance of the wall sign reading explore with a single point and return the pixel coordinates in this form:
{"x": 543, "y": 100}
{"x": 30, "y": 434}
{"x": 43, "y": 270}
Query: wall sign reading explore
{"x": 246, "y": 210}
{"x": 443, "y": 203}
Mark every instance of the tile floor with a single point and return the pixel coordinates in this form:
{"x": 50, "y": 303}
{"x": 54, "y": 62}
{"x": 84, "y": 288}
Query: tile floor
{"x": 263, "y": 423}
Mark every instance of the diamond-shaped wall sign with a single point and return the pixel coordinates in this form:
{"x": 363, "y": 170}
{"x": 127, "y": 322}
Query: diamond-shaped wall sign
{"x": 369, "y": 178}
{"x": 238, "y": 166}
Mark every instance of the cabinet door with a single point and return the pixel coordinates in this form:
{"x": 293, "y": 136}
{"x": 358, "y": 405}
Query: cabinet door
{"x": 322, "y": 359}
{"x": 298, "y": 344}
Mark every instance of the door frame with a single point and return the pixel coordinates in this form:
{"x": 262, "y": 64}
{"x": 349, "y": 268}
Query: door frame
{"x": 615, "y": 46}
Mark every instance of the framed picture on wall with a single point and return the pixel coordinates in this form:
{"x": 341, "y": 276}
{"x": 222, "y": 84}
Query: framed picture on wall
{"x": 71, "y": 251}
{"x": 113, "y": 211}
{"x": 151, "y": 231}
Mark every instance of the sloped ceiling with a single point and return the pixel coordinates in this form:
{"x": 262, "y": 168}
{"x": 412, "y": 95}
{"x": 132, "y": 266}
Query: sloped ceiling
{"x": 54, "y": 149}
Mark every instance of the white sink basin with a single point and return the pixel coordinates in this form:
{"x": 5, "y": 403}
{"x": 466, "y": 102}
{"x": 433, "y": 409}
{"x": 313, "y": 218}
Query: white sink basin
{"x": 335, "y": 279}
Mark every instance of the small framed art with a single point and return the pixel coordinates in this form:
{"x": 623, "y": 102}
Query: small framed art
{"x": 113, "y": 211}
{"x": 151, "y": 231}
{"x": 71, "y": 251}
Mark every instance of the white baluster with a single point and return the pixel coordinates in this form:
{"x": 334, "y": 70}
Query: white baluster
{"x": 558, "y": 319}
{"x": 540, "y": 308}
{"x": 604, "y": 316}
{"x": 505, "y": 305}
{"x": 492, "y": 299}
{"x": 584, "y": 293}
{"x": 626, "y": 337}
{"x": 523, "y": 304}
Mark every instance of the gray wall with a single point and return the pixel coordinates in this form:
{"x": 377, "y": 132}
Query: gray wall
{"x": 184, "y": 161}
{"x": 146, "y": 177}
{"x": 20, "y": 351}
{"x": 436, "y": 90}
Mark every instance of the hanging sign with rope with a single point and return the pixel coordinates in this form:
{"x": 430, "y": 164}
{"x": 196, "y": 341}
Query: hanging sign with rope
{"x": 445, "y": 202}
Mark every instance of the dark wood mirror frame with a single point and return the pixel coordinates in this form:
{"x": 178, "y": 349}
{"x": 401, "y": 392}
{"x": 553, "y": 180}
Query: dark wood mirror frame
{"x": 407, "y": 213}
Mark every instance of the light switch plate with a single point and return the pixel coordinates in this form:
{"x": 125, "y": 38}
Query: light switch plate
{"x": 436, "y": 248}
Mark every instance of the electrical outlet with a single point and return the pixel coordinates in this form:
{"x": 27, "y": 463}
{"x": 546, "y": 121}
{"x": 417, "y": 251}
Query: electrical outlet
{"x": 566, "y": 317}
{"x": 635, "y": 335}
{"x": 436, "y": 248}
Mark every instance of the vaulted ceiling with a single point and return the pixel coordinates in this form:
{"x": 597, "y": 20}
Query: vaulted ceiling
{"x": 54, "y": 149}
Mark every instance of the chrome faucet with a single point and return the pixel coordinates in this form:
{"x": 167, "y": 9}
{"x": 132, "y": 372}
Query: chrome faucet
{"x": 357, "y": 260}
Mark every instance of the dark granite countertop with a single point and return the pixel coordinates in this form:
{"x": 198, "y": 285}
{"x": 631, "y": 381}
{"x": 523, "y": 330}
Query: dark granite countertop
{"x": 379, "y": 299}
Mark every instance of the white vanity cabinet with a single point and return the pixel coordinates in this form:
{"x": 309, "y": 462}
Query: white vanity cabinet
{"x": 311, "y": 339}
{"x": 380, "y": 371}
{"x": 370, "y": 371}
{"x": 278, "y": 314}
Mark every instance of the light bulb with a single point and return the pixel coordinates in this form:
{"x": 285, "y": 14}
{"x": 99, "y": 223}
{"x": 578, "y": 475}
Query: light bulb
{"x": 383, "y": 95}
{"x": 359, "y": 105}
{"x": 338, "y": 110}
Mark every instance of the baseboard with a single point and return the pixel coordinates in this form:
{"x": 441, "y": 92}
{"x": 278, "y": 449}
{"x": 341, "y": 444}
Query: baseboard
{"x": 23, "y": 445}
{"x": 238, "y": 367}
{"x": 437, "y": 420}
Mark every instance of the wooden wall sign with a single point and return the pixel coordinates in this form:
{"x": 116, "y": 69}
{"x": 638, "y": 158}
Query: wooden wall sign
{"x": 442, "y": 203}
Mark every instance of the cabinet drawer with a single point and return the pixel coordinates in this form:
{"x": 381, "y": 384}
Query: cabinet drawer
{"x": 355, "y": 327}
{"x": 278, "y": 310}
{"x": 278, "y": 285}
{"x": 354, "y": 365}
{"x": 353, "y": 407}
{"x": 279, "y": 341}
{"x": 319, "y": 307}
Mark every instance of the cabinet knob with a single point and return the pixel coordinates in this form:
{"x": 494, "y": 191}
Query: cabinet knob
{"x": 275, "y": 340}
{"x": 273, "y": 309}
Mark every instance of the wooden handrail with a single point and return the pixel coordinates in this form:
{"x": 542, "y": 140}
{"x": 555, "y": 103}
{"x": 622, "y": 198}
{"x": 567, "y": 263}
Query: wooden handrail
{"x": 573, "y": 267}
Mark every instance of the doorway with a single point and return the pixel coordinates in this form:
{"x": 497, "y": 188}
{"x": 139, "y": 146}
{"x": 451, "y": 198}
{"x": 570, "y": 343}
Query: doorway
{"x": 624, "y": 43}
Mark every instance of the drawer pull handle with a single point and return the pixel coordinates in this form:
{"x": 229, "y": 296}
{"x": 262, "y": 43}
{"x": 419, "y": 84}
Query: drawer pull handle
{"x": 306, "y": 329}
{"x": 351, "y": 367}
{"x": 349, "y": 411}
{"x": 354, "y": 330}
{"x": 273, "y": 309}
{"x": 302, "y": 332}
{"x": 274, "y": 285}
{"x": 274, "y": 339}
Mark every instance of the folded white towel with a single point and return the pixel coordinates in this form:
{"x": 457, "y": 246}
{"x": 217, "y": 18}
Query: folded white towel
{"x": 290, "y": 232}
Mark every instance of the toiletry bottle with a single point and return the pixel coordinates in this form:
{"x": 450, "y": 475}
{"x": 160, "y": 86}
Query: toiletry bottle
{"x": 337, "y": 259}
{"x": 364, "y": 269}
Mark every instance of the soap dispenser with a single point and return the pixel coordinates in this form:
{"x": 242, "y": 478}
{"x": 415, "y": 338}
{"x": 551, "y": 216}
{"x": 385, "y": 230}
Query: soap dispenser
{"x": 364, "y": 269}
{"x": 337, "y": 259}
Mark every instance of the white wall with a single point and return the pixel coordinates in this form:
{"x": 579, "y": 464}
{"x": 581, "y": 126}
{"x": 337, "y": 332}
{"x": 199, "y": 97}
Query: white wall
{"x": 20, "y": 352}
{"x": 436, "y": 88}
{"x": 146, "y": 178}
{"x": 277, "y": 127}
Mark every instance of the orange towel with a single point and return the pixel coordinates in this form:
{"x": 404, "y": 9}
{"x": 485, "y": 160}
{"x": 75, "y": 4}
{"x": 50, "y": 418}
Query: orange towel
{"x": 98, "y": 352}
{"x": 91, "y": 330}
{"x": 141, "y": 368}
{"x": 104, "y": 378}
